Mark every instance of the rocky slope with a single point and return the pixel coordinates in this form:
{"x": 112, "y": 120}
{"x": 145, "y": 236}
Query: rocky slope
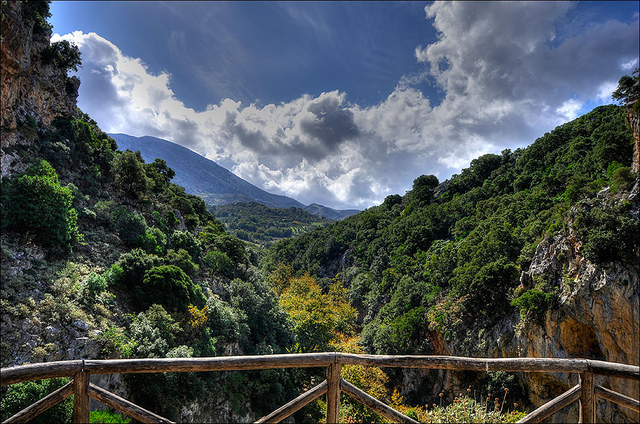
{"x": 32, "y": 87}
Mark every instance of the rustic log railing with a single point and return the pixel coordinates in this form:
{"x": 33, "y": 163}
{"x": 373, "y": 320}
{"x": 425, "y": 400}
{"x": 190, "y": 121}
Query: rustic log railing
{"x": 80, "y": 370}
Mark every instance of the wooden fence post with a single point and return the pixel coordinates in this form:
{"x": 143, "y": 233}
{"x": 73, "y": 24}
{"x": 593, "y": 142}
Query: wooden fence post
{"x": 333, "y": 393}
{"x": 587, "y": 398}
{"x": 81, "y": 397}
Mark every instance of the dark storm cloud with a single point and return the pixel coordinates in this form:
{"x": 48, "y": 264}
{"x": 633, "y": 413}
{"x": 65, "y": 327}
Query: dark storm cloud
{"x": 329, "y": 124}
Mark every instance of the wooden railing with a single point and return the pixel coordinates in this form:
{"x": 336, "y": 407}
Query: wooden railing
{"x": 80, "y": 370}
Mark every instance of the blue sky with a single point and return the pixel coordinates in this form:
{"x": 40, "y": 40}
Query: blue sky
{"x": 344, "y": 103}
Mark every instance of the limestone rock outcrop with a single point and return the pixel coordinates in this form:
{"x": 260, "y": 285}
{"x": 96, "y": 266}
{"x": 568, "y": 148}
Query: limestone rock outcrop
{"x": 597, "y": 316}
{"x": 31, "y": 87}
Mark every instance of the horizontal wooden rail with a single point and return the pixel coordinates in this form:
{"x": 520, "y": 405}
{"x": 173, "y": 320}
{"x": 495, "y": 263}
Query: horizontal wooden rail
{"x": 39, "y": 371}
{"x": 309, "y": 360}
{"x": 37, "y": 408}
{"x": 124, "y": 406}
{"x": 618, "y": 398}
{"x": 218, "y": 363}
{"x": 553, "y": 406}
{"x": 613, "y": 369}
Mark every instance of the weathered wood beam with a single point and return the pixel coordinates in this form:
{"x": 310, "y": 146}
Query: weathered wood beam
{"x": 618, "y": 398}
{"x": 613, "y": 369}
{"x": 587, "y": 398}
{"x": 124, "y": 406}
{"x": 464, "y": 363}
{"x": 69, "y": 368}
{"x": 374, "y": 404}
{"x": 81, "y": 397}
{"x": 218, "y": 363}
{"x": 37, "y": 408}
{"x": 39, "y": 371}
{"x": 553, "y": 406}
{"x": 295, "y": 405}
{"x": 333, "y": 393}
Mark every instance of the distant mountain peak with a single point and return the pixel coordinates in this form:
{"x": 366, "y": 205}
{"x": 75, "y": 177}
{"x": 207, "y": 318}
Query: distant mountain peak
{"x": 215, "y": 184}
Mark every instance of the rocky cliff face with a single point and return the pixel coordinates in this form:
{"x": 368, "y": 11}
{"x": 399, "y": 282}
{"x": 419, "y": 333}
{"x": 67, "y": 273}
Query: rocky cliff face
{"x": 32, "y": 88}
{"x": 596, "y": 316}
{"x": 634, "y": 121}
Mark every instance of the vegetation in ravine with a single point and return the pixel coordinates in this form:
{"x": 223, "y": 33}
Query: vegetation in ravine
{"x": 444, "y": 260}
{"x": 260, "y": 224}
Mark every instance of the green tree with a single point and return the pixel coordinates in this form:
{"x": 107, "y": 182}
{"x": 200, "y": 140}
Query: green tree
{"x": 627, "y": 89}
{"x": 130, "y": 177}
{"x": 64, "y": 55}
{"x": 422, "y": 191}
{"x": 159, "y": 174}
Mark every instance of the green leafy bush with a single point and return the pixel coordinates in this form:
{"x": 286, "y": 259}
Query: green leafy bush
{"x": 153, "y": 241}
{"x": 153, "y": 333}
{"x": 35, "y": 203}
{"x": 107, "y": 417}
{"x": 182, "y": 259}
{"x": 95, "y": 284}
{"x": 187, "y": 241}
{"x": 169, "y": 286}
{"x": 622, "y": 179}
{"x": 533, "y": 303}
{"x": 131, "y": 267}
{"x": 218, "y": 261}
{"x": 131, "y": 226}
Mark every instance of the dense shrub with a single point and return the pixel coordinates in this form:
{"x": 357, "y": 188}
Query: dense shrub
{"x": 131, "y": 267}
{"x": 95, "y": 284}
{"x": 185, "y": 240}
{"x": 35, "y": 203}
{"x": 182, "y": 259}
{"x": 169, "y": 286}
{"x": 532, "y": 303}
{"x": 153, "y": 333}
{"x": 131, "y": 226}
{"x": 218, "y": 261}
{"x": 153, "y": 241}
{"x": 64, "y": 55}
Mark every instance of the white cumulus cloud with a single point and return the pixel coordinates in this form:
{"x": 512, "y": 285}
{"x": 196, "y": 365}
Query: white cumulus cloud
{"x": 505, "y": 76}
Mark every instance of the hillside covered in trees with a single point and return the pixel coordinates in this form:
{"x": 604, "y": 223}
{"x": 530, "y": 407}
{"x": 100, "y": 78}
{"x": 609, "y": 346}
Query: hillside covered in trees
{"x": 468, "y": 266}
{"x": 461, "y": 245}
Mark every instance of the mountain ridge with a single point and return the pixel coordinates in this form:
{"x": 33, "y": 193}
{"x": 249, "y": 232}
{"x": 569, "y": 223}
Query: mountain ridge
{"x": 214, "y": 183}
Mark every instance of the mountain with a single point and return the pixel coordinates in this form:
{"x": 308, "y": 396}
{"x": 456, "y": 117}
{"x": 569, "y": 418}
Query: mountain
{"x": 215, "y": 184}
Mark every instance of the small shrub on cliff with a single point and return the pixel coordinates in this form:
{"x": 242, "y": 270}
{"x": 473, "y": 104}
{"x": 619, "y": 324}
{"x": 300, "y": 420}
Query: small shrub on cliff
{"x": 35, "y": 203}
{"x": 63, "y": 55}
{"x": 532, "y": 303}
{"x": 37, "y": 10}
